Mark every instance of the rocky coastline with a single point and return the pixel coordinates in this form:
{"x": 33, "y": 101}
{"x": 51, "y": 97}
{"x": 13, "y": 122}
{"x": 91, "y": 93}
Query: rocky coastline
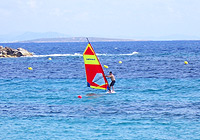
{"x": 9, "y": 52}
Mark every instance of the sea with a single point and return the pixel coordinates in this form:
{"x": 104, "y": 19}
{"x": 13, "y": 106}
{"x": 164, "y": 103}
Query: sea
{"x": 157, "y": 93}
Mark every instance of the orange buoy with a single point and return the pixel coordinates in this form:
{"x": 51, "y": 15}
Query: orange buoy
{"x": 79, "y": 96}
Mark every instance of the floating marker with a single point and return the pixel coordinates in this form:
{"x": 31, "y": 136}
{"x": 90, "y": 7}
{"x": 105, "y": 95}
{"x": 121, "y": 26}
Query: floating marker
{"x": 50, "y": 59}
{"x": 120, "y": 62}
{"x": 106, "y": 66}
{"x": 30, "y": 68}
{"x": 186, "y": 62}
{"x": 79, "y": 96}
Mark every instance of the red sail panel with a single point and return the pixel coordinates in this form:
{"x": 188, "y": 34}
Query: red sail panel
{"x": 94, "y": 71}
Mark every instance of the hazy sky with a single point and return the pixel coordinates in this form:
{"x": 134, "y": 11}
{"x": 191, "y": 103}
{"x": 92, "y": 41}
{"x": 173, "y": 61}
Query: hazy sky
{"x": 143, "y": 19}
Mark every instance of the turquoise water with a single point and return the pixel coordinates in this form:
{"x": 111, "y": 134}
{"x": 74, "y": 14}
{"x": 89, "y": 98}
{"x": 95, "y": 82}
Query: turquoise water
{"x": 157, "y": 95}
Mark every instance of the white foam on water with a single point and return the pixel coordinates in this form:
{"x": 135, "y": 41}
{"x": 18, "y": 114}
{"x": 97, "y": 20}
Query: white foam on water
{"x": 133, "y": 53}
{"x": 53, "y": 55}
{"x": 104, "y": 54}
{"x": 78, "y": 54}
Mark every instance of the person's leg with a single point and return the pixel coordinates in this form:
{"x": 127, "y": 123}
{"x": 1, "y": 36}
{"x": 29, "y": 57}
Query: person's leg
{"x": 109, "y": 88}
{"x": 112, "y": 88}
{"x": 112, "y": 85}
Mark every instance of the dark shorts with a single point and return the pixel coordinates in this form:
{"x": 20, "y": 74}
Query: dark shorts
{"x": 112, "y": 83}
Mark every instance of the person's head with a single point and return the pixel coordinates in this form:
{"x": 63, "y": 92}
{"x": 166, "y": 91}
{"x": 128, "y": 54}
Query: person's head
{"x": 110, "y": 72}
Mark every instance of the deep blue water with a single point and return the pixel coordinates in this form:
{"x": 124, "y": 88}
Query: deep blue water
{"x": 157, "y": 95}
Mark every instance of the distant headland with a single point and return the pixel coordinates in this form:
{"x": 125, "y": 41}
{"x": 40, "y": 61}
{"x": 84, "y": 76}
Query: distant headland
{"x": 9, "y": 52}
{"x": 75, "y": 39}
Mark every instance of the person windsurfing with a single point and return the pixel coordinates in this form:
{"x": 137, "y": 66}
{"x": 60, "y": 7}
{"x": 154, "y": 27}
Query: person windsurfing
{"x": 112, "y": 77}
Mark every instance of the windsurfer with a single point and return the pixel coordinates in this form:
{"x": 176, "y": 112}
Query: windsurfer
{"x": 112, "y": 77}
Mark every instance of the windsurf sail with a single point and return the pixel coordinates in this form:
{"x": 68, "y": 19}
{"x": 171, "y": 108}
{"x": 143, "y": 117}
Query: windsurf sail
{"x": 94, "y": 72}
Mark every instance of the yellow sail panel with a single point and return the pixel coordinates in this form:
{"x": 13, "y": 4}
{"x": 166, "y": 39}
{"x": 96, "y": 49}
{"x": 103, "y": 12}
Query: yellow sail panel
{"x": 91, "y": 59}
{"x": 99, "y": 87}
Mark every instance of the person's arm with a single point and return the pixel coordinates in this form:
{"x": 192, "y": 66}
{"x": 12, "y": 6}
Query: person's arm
{"x": 108, "y": 76}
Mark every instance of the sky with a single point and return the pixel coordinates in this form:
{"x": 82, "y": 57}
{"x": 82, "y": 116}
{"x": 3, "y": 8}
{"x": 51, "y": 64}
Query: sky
{"x": 128, "y": 19}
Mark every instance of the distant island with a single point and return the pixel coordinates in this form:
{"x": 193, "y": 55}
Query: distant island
{"x": 50, "y": 37}
{"x": 74, "y": 39}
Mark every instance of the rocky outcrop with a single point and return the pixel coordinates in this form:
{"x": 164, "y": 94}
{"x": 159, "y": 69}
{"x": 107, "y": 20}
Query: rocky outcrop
{"x": 9, "y": 52}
